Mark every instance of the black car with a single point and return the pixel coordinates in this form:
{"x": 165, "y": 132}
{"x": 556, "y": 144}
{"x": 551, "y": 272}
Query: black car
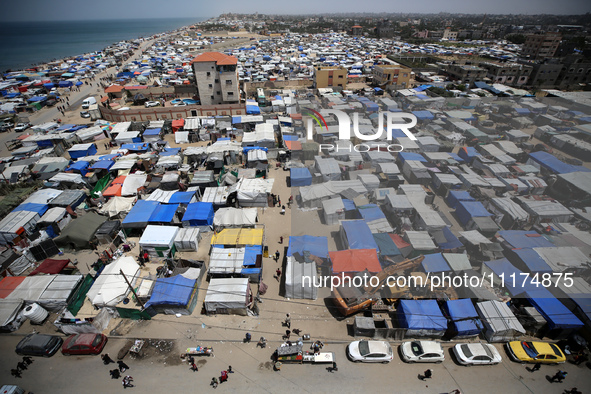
{"x": 39, "y": 345}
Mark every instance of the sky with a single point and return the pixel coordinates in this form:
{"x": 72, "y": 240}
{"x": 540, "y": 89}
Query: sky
{"x": 52, "y": 10}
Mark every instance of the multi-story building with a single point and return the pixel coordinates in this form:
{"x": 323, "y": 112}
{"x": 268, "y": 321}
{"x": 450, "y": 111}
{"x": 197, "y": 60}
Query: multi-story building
{"x": 545, "y": 74}
{"x": 356, "y": 30}
{"x": 512, "y": 74}
{"x": 576, "y": 70}
{"x": 539, "y": 46}
{"x": 464, "y": 73}
{"x": 449, "y": 35}
{"x": 392, "y": 76}
{"x": 328, "y": 77}
{"x": 217, "y": 78}
{"x": 385, "y": 29}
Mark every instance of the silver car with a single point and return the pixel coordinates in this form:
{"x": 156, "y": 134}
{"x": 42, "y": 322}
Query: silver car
{"x": 422, "y": 352}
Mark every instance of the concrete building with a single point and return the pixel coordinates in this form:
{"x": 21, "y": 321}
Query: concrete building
{"x": 328, "y": 77}
{"x": 540, "y": 45}
{"x": 217, "y": 78}
{"x": 512, "y": 74}
{"x": 392, "y": 76}
{"x": 465, "y": 74}
{"x": 385, "y": 29}
{"x": 576, "y": 70}
{"x": 449, "y": 35}
{"x": 545, "y": 74}
{"x": 356, "y": 30}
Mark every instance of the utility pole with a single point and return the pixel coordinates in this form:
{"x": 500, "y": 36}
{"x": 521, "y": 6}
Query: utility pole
{"x": 132, "y": 289}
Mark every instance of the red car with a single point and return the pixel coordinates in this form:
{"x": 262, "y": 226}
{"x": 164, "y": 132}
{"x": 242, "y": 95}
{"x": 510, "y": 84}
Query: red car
{"x": 84, "y": 344}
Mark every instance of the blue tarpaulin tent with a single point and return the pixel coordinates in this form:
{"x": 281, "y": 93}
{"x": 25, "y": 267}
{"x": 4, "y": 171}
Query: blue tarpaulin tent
{"x": 32, "y": 207}
{"x": 135, "y": 147}
{"x": 251, "y": 253}
{"x": 174, "y": 294}
{"x": 467, "y": 210}
{"x": 181, "y": 197}
{"x": 464, "y": 318}
{"x": 468, "y": 153}
{"x": 551, "y": 163}
{"x": 525, "y": 239}
{"x": 556, "y": 314}
{"x": 317, "y": 246}
{"x": 505, "y": 272}
{"x": 435, "y": 263}
{"x": 421, "y": 318}
{"x": 404, "y": 156}
{"x": 139, "y": 215}
{"x": 102, "y": 165}
{"x": 450, "y": 242}
{"x": 199, "y": 214}
{"x": 170, "y": 152}
{"x": 82, "y": 150}
{"x": 532, "y": 260}
{"x": 79, "y": 166}
{"x": 423, "y": 115}
{"x": 455, "y": 196}
{"x": 164, "y": 213}
{"x": 300, "y": 177}
{"x": 358, "y": 235}
{"x": 371, "y": 212}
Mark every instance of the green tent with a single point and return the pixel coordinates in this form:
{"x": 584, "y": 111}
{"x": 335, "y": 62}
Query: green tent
{"x": 79, "y": 232}
{"x": 100, "y": 185}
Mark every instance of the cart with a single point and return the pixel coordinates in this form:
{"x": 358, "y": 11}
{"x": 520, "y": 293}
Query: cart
{"x": 198, "y": 351}
{"x": 137, "y": 346}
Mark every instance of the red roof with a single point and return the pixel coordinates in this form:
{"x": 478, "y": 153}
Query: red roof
{"x": 9, "y": 284}
{"x": 219, "y": 58}
{"x": 293, "y": 145}
{"x": 50, "y": 266}
{"x": 399, "y": 242}
{"x": 114, "y": 89}
{"x": 355, "y": 260}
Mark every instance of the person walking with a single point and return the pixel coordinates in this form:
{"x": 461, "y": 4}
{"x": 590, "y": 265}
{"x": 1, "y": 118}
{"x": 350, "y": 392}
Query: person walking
{"x": 277, "y": 254}
{"x": 27, "y": 360}
{"x": 214, "y": 382}
{"x": 287, "y": 321}
{"x": 281, "y": 239}
{"x": 16, "y": 373}
{"x": 536, "y": 367}
{"x": 115, "y": 374}
{"x": 106, "y": 359}
{"x": 127, "y": 382}
{"x": 278, "y": 275}
{"x": 559, "y": 376}
{"x": 428, "y": 374}
{"x": 287, "y": 334}
{"x": 122, "y": 366}
{"x": 194, "y": 366}
{"x": 22, "y": 366}
{"x": 230, "y": 369}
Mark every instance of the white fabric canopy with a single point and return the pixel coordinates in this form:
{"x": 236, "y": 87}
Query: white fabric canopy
{"x": 132, "y": 183}
{"x": 230, "y": 217}
{"x": 110, "y": 287}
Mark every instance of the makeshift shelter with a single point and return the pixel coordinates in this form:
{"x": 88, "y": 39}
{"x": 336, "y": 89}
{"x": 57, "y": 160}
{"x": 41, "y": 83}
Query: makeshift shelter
{"x": 59, "y": 292}
{"x": 30, "y": 288}
{"x": 500, "y": 324}
{"x": 71, "y": 198}
{"x": 158, "y": 241}
{"x": 458, "y": 262}
{"x": 79, "y": 233}
{"x": 421, "y": 318}
{"x": 176, "y": 294}
{"x": 300, "y": 177}
{"x": 561, "y": 321}
{"x": 187, "y": 239}
{"x": 466, "y": 210}
{"x": 231, "y": 261}
{"x": 81, "y": 150}
{"x": 110, "y": 288}
{"x": 199, "y": 214}
{"x": 295, "y": 285}
{"x": 117, "y": 207}
{"x": 51, "y": 266}
{"x": 108, "y": 232}
{"x": 140, "y": 214}
{"x": 56, "y": 218}
{"x": 132, "y": 183}
{"x": 11, "y": 317}
{"x": 17, "y": 225}
{"x": 238, "y": 237}
{"x": 355, "y": 234}
{"x": 455, "y": 196}
{"x": 433, "y": 263}
{"x": 235, "y": 217}
{"x": 333, "y": 211}
{"x": 464, "y": 319}
{"x": 387, "y": 247}
{"x": 227, "y": 296}
{"x": 351, "y": 261}
{"x": 115, "y": 187}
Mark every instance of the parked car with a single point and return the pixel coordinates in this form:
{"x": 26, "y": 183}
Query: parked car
{"x": 476, "y": 354}
{"x": 21, "y": 127}
{"x": 422, "y": 352}
{"x": 84, "y": 344}
{"x": 39, "y": 345}
{"x": 535, "y": 352}
{"x": 370, "y": 352}
{"x": 85, "y": 114}
{"x": 149, "y": 104}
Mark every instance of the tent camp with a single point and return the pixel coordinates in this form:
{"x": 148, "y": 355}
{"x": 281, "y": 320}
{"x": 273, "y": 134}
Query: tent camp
{"x": 158, "y": 241}
{"x": 238, "y": 237}
{"x": 117, "y": 207}
{"x": 187, "y": 239}
{"x": 351, "y": 261}
{"x": 16, "y": 225}
{"x": 421, "y": 318}
{"x": 231, "y": 261}
{"x": 500, "y": 324}
{"x": 355, "y": 234}
{"x": 199, "y": 214}
{"x": 81, "y": 150}
{"x": 110, "y": 288}
{"x": 300, "y": 177}
{"x": 227, "y": 296}
{"x": 295, "y": 286}
{"x": 176, "y": 294}
{"x": 333, "y": 210}
{"x": 79, "y": 233}
{"x": 132, "y": 183}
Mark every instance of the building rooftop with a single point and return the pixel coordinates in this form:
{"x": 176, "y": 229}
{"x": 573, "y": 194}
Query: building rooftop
{"x": 219, "y": 58}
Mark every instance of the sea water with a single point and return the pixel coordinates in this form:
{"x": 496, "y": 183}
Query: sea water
{"x": 23, "y": 44}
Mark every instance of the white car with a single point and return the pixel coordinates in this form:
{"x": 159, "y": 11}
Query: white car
{"x": 370, "y": 352}
{"x": 149, "y": 104}
{"x": 422, "y": 352}
{"x": 476, "y": 354}
{"x": 21, "y": 127}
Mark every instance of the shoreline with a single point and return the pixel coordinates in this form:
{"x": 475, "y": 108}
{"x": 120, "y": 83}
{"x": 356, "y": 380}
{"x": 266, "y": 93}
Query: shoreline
{"x": 45, "y": 63}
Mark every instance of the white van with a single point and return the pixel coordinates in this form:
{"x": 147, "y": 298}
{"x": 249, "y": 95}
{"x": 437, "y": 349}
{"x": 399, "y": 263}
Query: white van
{"x": 88, "y": 102}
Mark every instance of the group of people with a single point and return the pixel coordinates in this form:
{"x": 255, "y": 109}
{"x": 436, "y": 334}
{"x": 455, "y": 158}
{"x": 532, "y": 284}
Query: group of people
{"x": 223, "y": 377}
{"x": 21, "y": 366}
{"x": 116, "y": 373}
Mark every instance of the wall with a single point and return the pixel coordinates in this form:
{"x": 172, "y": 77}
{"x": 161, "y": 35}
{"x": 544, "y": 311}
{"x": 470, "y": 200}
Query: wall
{"x": 162, "y": 113}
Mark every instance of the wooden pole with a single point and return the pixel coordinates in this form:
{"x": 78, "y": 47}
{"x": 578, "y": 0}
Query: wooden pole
{"x": 132, "y": 289}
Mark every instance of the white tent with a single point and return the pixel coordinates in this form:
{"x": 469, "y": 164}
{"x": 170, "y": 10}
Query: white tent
{"x": 56, "y": 215}
{"x": 110, "y": 287}
{"x": 227, "y": 295}
{"x": 295, "y": 286}
{"x": 127, "y": 137}
{"x": 500, "y": 324}
{"x": 235, "y": 217}
{"x": 117, "y": 206}
{"x": 31, "y": 288}
{"x": 158, "y": 240}
{"x": 132, "y": 183}
{"x": 253, "y": 192}
{"x": 181, "y": 137}
{"x": 226, "y": 261}
{"x": 15, "y": 222}
{"x": 187, "y": 238}
{"x": 333, "y": 210}
{"x": 10, "y": 314}
{"x": 56, "y": 295}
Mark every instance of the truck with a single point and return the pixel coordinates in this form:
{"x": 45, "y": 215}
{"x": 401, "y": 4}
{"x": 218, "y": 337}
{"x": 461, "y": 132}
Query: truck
{"x": 88, "y": 102}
